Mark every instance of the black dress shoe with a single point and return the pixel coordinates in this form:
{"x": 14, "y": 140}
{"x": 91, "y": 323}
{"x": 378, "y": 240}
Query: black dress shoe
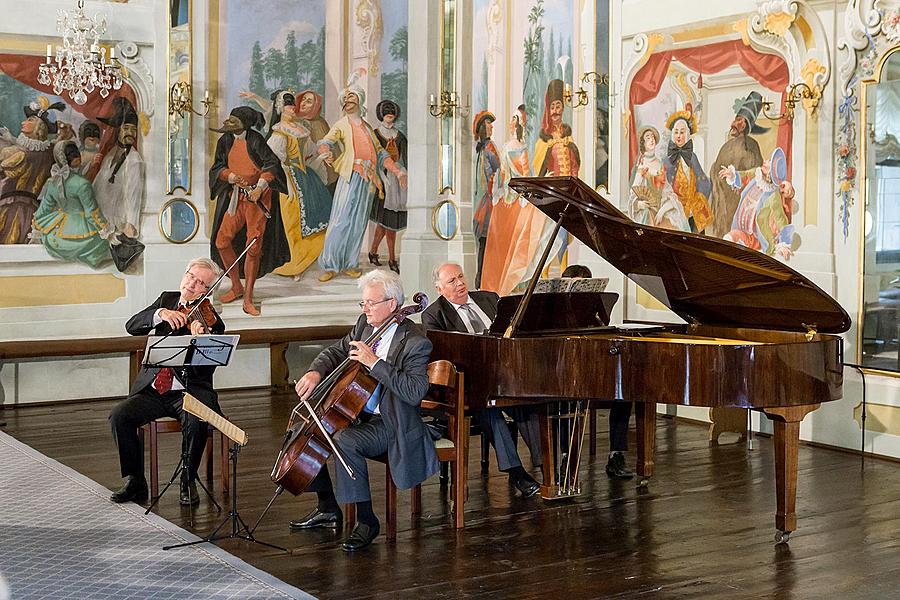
{"x": 526, "y": 485}
{"x": 616, "y": 469}
{"x": 318, "y": 518}
{"x": 373, "y": 259}
{"x": 134, "y": 490}
{"x": 395, "y": 266}
{"x": 361, "y": 536}
{"x": 189, "y": 495}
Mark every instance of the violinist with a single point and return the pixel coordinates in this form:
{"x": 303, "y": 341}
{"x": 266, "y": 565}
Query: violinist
{"x": 158, "y": 392}
{"x": 390, "y": 422}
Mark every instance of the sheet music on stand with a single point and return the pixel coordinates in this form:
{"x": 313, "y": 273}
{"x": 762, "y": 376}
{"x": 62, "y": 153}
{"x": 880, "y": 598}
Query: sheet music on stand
{"x": 571, "y": 285}
{"x": 229, "y": 429}
{"x": 189, "y": 350}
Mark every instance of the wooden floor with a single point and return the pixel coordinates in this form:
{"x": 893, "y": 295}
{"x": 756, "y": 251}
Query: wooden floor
{"x": 704, "y": 529}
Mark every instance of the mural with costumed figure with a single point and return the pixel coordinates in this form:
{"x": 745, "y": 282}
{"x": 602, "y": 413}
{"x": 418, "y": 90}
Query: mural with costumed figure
{"x": 521, "y": 127}
{"x": 338, "y": 211}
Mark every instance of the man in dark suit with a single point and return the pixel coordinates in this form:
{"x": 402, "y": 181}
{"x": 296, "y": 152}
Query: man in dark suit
{"x": 458, "y": 309}
{"x": 391, "y": 422}
{"x": 158, "y": 392}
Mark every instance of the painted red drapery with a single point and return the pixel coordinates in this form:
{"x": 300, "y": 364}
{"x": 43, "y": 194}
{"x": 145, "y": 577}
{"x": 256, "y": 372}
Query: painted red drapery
{"x": 769, "y": 70}
{"x": 24, "y": 68}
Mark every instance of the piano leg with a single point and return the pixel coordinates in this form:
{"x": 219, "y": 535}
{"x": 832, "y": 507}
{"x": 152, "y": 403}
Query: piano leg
{"x": 645, "y": 426}
{"x": 786, "y": 421}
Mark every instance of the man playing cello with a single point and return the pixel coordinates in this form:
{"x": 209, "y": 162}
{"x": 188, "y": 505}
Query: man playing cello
{"x": 390, "y": 422}
{"x": 158, "y": 392}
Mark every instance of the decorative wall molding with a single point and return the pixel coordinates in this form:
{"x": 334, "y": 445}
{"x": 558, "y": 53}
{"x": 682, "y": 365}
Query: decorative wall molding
{"x": 371, "y": 26}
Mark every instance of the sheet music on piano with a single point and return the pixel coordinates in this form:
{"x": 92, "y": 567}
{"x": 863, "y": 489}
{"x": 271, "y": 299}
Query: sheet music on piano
{"x": 561, "y": 285}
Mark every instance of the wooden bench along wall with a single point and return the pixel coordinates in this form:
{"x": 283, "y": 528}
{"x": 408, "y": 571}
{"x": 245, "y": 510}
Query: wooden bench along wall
{"x": 277, "y": 340}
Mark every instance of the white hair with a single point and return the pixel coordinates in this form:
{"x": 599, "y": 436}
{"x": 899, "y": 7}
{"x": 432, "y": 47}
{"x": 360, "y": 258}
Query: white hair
{"x": 390, "y": 281}
{"x": 205, "y": 263}
{"x": 436, "y": 273}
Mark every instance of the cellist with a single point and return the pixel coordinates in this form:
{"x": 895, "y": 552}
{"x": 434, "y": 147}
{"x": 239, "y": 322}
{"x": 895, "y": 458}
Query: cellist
{"x": 390, "y": 422}
{"x": 158, "y": 392}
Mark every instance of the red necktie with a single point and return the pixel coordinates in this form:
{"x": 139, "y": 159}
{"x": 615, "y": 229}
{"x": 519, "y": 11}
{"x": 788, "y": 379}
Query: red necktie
{"x": 163, "y": 381}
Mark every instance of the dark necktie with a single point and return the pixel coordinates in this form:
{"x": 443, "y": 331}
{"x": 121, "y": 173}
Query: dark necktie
{"x": 473, "y": 318}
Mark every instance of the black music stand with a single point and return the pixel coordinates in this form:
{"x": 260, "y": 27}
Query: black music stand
{"x": 180, "y": 352}
{"x": 238, "y": 438}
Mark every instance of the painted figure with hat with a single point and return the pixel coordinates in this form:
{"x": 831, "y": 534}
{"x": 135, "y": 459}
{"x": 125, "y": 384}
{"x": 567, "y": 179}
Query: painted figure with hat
{"x": 25, "y": 164}
{"x": 306, "y": 206}
{"x": 244, "y": 174}
{"x": 763, "y": 217}
{"x": 360, "y": 165}
{"x": 389, "y": 213}
{"x": 740, "y": 150}
{"x": 68, "y": 220}
{"x": 683, "y": 171}
{"x": 651, "y": 199}
{"x": 487, "y": 162}
{"x": 119, "y": 184}
{"x": 89, "y": 134}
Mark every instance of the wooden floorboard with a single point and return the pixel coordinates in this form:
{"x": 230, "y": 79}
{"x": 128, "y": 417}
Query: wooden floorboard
{"x": 703, "y": 529}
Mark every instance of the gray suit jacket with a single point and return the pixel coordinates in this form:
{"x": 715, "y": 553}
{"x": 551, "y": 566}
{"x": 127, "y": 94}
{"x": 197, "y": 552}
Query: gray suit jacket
{"x": 404, "y": 379}
{"x": 443, "y": 316}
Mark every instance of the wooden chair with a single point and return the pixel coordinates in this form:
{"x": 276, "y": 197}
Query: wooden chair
{"x": 170, "y": 425}
{"x": 445, "y": 399}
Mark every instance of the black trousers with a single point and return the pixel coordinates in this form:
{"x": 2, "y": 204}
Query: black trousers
{"x": 619, "y": 415}
{"x": 145, "y": 406}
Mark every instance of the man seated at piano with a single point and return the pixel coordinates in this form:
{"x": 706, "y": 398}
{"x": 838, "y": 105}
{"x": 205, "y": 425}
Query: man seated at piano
{"x": 458, "y": 309}
{"x": 619, "y": 413}
{"x": 391, "y": 422}
{"x": 158, "y": 392}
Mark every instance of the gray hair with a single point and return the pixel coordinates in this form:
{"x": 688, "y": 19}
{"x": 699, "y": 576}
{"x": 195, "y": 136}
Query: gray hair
{"x": 390, "y": 281}
{"x": 436, "y": 273}
{"x": 205, "y": 263}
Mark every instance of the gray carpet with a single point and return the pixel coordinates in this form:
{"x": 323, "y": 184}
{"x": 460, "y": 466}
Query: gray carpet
{"x": 61, "y": 537}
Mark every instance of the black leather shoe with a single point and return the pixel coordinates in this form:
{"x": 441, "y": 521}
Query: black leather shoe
{"x": 374, "y": 260}
{"x": 361, "y": 536}
{"x": 526, "y": 485}
{"x": 395, "y": 266}
{"x": 134, "y": 490}
{"x": 189, "y": 495}
{"x": 318, "y": 518}
{"x": 616, "y": 469}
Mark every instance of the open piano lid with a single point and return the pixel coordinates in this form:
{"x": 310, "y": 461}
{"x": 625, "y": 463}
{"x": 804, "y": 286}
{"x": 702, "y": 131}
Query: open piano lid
{"x": 703, "y": 280}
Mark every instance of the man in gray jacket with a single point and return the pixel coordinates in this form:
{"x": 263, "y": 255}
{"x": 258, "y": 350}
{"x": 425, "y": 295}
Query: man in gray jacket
{"x": 390, "y": 423}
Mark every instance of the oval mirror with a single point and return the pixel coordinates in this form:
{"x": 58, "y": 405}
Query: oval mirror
{"x": 179, "y": 220}
{"x": 445, "y": 220}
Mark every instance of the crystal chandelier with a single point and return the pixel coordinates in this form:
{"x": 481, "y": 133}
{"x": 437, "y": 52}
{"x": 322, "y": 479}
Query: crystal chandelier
{"x": 81, "y": 65}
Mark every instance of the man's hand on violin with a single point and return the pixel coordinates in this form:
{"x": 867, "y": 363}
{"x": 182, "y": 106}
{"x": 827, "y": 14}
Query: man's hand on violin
{"x": 363, "y": 354}
{"x": 175, "y": 319}
{"x": 306, "y": 384}
{"x": 196, "y": 328}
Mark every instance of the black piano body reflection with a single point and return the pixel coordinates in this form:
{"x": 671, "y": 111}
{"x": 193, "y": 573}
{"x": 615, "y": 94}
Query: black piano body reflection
{"x": 758, "y": 335}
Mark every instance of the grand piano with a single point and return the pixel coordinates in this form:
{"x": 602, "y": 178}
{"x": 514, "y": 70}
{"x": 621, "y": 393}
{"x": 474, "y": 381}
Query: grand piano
{"x": 758, "y": 335}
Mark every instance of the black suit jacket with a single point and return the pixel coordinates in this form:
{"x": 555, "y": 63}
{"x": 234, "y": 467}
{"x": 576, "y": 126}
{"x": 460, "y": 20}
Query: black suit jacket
{"x": 404, "y": 378}
{"x": 443, "y": 316}
{"x": 199, "y": 379}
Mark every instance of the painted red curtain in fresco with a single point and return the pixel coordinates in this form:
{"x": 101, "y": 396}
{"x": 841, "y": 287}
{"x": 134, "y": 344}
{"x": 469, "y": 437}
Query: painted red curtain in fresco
{"x": 769, "y": 70}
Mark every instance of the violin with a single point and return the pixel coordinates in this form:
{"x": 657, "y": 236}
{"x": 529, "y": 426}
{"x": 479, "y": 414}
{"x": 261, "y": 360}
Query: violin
{"x": 200, "y": 309}
{"x": 339, "y": 399}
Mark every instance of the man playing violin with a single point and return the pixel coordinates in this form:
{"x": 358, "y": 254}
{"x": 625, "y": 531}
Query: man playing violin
{"x": 390, "y": 422}
{"x": 158, "y": 392}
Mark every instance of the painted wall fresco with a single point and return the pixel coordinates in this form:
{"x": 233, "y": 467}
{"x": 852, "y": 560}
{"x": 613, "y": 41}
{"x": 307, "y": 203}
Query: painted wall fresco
{"x": 727, "y": 176}
{"x": 72, "y": 177}
{"x": 314, "y": 189}
{"x": 521, "y": 127}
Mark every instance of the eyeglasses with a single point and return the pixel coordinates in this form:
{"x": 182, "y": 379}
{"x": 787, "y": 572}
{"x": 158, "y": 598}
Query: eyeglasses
{"x": 194, "y": 280}
{"x": 370, "y": 303}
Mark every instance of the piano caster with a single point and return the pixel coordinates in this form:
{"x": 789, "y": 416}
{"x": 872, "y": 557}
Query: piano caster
{"x": 782, "y": 537}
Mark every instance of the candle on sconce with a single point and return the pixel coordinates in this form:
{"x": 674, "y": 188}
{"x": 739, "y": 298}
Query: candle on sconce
{"x": 206, "y": 97}
{"x": 431, "y": 98}
{"x": 112, "y": 53}
{"x": 49, "y": 52}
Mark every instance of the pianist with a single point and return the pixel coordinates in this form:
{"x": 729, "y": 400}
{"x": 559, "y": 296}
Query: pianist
{"x": 619, "y": 413}
{"x": 457, "y": 309}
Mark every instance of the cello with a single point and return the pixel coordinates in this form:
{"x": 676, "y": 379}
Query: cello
{"x": 334, "y": 404}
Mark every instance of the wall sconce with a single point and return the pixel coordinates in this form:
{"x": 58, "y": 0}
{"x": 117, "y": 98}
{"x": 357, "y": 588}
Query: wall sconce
{"x": 798, "y": 92}
{"x": 580, "y": 96}
{"x": 447, "y": 105}
{"x": 181, "y": 100}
